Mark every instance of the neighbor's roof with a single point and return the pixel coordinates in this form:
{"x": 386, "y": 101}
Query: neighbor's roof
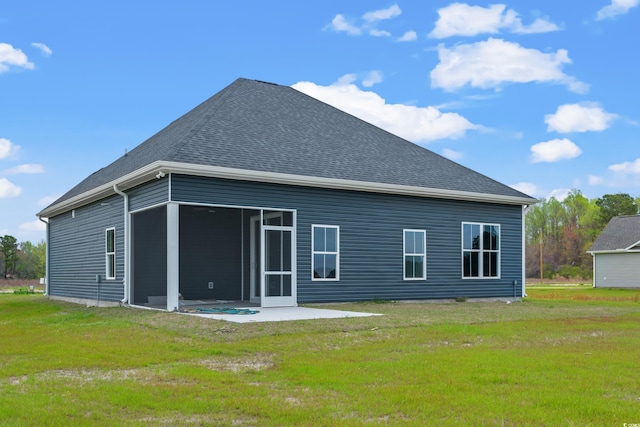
{"x": 622, "y": 233}
{"x": 263, "y": 127}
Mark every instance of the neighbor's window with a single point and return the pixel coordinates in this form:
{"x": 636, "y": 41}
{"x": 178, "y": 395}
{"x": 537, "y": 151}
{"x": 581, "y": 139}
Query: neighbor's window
{"x": 325, "y": 257}
{"x": 480, "y": 250}
{"x": 110, "y": 251}
{"x": 415, "y": 263}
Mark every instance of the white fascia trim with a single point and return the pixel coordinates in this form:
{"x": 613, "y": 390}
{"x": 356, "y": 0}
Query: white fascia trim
{"x": 614, "y": 251}
{"x": 160, "y": 168}
{"x": 629, "y": 248}
{"x": 137, "y": 177}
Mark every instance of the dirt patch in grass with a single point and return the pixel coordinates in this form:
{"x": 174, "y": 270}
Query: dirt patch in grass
{"x": 257, "y": 362}
{"x": 560, "y": 281}
{"x": 83, "y": 376}
{"x": 586, "y": 294}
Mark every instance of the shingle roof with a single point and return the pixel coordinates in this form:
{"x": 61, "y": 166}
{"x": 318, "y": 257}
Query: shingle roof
{"x": 622, "y": 232}
{"x": 261, "y": 126}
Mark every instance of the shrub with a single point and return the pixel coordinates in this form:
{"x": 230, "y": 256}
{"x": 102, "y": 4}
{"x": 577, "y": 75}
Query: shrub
{"x": 572, "y": 272}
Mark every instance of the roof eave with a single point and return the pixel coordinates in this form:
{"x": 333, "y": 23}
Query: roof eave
{"x": 630, "y": 247}
{"x": 613, "y": 251}
{"x": 137, "y": 177}
{"x": 341, "y": 184}
{"x": 150, "y": 171}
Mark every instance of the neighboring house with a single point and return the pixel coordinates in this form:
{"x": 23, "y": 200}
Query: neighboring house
{"x": 616, "y": 254}
{"x": 264, "y": 195}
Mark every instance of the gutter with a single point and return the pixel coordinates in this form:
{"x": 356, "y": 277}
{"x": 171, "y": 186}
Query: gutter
{"x": 46, "y": 258}
{"x": 160, "y": 168}
{"x": 614, "y": 251}
{"x": 125, "y": 280}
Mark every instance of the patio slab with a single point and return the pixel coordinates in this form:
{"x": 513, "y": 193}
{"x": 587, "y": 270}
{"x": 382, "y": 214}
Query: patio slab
{"x": 280, "y": 314}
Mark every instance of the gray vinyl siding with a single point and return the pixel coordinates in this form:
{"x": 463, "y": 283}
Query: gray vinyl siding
{"x": 77, "y": 251}
{"x": 371, "y": 232}
{"x": 149, "y": 194}
{"x": 617, "y": 270}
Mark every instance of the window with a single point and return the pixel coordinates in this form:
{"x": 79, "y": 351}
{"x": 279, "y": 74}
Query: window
{"x": 480, "y": 250}
{"x": 415, "y": 265}
{"x": 325, "y": 257}
{"x": 110, "y": 251}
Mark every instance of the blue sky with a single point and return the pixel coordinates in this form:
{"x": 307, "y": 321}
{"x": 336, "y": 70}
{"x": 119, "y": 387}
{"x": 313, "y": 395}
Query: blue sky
{"x": 540, "y": 95}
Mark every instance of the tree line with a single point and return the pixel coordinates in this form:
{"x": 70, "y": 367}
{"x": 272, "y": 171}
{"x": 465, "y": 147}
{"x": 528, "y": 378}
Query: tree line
{"x": 559, "y": 233}
{"x": 22, "y": 260}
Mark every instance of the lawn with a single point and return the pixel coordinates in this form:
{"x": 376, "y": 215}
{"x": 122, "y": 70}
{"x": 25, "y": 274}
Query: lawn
{"x": 565, "y": 356}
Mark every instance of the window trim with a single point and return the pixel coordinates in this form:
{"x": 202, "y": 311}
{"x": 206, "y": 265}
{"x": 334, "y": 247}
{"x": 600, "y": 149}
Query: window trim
{"x": 423, "y": 254}
{"x": 314, "y": 253}
{"x": 108, "y": 255}
{"x": 481, "y": 252}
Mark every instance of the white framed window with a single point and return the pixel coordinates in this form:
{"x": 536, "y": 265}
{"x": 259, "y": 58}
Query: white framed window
{"x": 480, "y": 251}
{"x": 325, "y": 252}
{"x": 415, "y": 254}
{"x": 110, "y": 253}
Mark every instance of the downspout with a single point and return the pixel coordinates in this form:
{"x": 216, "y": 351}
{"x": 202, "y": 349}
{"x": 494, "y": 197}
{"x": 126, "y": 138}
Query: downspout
{"x": 46, "y": 257}
{"x": 125, "y": 280}
{"x": 593, "y": 269}
{"x": 524, "y": 258}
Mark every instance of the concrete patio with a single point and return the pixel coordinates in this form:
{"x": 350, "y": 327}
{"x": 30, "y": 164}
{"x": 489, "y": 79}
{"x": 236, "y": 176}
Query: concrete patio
{"x": 280, "y": 314}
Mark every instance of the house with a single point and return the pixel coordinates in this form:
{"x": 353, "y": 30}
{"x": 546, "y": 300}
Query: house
{"x": 616, "y": 254}
{"x": 264, "y": 195}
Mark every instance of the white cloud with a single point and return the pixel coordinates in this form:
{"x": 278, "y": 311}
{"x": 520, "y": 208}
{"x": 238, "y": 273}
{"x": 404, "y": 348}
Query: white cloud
{"x": 8, "y": 189}
{"x": 47, "y": 200}
{"x": 616, "y": 8}
{"x": 461, "y": 19}
{"x": 533, "y": 190}
{"x": 10, "y": 56}
{"x": 451, "y": 154}
{"x": 28, "y": 168}
{"x": 595, "y": 180}
{"x": 624, "y": 174}
{"x": 7, "y": 148}
{"x": 368, "y": 22}
{"x": 555, "y": 150}
{"x": 417, "y": 124}
{"x": 538, "y": 26}
{"x": 346, "y": 79}
{"x": 527, "y": 188}
{"x": 627, "y": 168}
{"x": 582, "y": 117}
{"x": 409, "y": 36}
{"x": 494, "y": 62}
{"x": 379, "y": 15}
{"x": 372, "y": 78}
{"x": 35, "y": 225}
{"x": 379, "y": 33}
{"x": 559, "y": 194}
{"x": 43, "y": 48}
{"x": 339, "y": 23}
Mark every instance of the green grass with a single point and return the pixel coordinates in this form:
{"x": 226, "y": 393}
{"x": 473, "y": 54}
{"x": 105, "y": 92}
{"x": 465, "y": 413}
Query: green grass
{"x": 583, "y": 293}
{"x": 562, "y": 357}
